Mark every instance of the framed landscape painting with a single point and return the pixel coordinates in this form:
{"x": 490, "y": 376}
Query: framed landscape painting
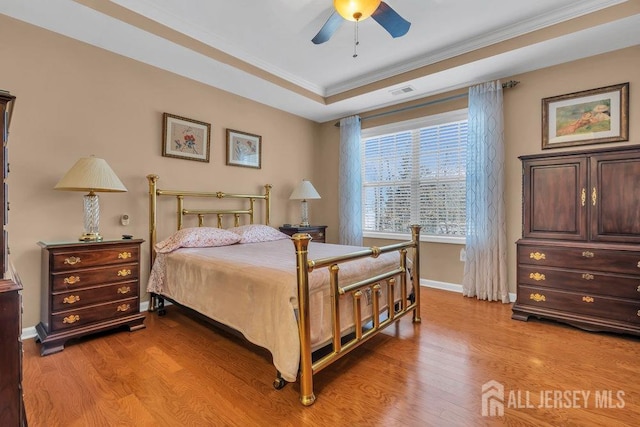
{"x": 588, "y": 117}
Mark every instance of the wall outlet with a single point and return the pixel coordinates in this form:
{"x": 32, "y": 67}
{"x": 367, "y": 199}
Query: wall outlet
{"x": 124, "y": 219}
{"x": 463, "y": 255}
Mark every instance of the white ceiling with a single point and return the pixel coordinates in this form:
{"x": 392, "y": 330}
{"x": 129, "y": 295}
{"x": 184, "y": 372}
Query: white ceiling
{"x": 285, "y": 70}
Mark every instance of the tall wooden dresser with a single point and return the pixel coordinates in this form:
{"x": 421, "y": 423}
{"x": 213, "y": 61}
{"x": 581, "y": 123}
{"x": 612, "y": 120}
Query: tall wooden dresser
{"x": 11, "y": 404}
{"x": 579, "y": 257}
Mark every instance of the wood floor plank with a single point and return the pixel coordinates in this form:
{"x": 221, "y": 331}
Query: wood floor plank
{"x": 180, "y": 371}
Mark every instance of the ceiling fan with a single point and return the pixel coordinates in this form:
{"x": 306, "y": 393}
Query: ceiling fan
{"x": 358, "y": 10}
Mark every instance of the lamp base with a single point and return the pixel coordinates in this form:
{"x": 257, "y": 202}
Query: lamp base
{"x": 90, "y": 237}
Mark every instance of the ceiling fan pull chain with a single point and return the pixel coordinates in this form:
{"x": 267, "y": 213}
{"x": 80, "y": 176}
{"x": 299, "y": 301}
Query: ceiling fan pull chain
{"x": 356, "y": 42}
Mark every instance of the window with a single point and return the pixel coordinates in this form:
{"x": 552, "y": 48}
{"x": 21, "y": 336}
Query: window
{"x": 414, "y": 173}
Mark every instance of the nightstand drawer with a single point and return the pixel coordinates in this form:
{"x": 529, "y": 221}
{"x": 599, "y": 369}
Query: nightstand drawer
{"x": 83, "y": 278}
{"x": 96, "y": 313}
{"x": 76, "y": 259}
{"x": 82, "y": 298}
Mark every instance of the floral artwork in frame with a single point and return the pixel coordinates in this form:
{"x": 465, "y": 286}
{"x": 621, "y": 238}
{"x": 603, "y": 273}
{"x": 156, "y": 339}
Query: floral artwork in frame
{"x": 185, "y": 138}
{"x": 244, "y": 149}
{"x": 588, "y": 117}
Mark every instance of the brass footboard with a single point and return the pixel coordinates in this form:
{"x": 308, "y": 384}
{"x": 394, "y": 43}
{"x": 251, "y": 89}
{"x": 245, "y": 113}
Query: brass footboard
{"x": 305, "y": 266}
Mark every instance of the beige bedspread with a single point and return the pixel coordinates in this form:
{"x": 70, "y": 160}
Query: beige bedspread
{"x": 252, "y": 288}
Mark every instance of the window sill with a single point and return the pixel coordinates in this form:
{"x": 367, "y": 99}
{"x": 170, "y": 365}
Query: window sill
{"x": 454, "y": 240}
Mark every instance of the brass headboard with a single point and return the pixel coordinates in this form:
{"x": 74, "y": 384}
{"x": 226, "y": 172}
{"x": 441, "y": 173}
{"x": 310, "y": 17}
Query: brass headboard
{"x": 155, "y": 192}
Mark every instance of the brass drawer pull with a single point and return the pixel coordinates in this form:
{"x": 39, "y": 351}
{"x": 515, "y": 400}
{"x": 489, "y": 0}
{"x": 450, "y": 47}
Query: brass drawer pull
{"x": 638, "y": 313}
{"x": 537, "y": 276}
{"x": 124, "y": 273}
{"x": 588, "y": 299}
{"x": 72, "y": 260}
{"x": 583, "y": 196}
{"x": 587, "y": 276}
{"x": 71, "y": 319}
{"x": 594, "y": 196}
{"x": 124, "y": 255}
{"x": 123, "y": 307}
{"x": 124, "y": 290}
{"x": 537, "y": 256}
{"x": 71, "y": 299}
{"x": 71, "y": 280}
{"x": 537, "y": 297}
{"x": 638, "y": 289}
{"x": 588, "y": 254}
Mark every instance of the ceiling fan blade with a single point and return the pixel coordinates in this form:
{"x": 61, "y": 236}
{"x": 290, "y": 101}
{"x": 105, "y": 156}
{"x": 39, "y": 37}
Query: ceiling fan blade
{"x": 329, "y": 27}
{"x": 395, "y": 24}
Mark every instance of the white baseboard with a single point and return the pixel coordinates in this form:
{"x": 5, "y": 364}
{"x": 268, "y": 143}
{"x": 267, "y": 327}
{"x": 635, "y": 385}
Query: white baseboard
{"x": 453, "y": 287}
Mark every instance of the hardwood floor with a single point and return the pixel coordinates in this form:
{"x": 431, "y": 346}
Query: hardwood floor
{"x": 181, "y": 372}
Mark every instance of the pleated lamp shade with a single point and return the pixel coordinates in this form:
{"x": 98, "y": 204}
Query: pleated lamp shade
{"x": 91, "y": 174}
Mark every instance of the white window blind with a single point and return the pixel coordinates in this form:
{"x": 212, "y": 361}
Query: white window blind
{"x": 414, "y": 173}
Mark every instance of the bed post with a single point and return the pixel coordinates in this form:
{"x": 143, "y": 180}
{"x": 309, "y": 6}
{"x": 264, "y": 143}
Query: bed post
{"x": 301, "y": 242}
{"x": 267, "y": 197}
{"x": 415, "y": 273}
{"x": 153, "y": 180}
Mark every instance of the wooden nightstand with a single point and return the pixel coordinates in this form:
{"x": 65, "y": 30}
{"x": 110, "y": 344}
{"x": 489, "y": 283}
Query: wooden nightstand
{"x": 317, "y": 232}
{"x": 88, "y": 287}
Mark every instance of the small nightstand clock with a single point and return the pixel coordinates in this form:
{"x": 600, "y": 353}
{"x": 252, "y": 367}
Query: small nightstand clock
{"x": 317, "y": 232}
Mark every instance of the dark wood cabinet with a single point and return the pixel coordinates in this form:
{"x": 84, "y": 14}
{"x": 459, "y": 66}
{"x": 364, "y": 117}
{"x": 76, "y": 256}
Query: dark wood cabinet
{"x": 579, "y": 258}
{"x": 88, "y": 287}
{"x": 317, "y": 232}
{"x": 12, "y": 411}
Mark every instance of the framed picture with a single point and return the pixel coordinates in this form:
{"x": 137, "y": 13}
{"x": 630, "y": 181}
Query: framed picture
{"x": 185, "y": 138}
{"x": 244, "y": 149}
{"x": 588, "y": 117}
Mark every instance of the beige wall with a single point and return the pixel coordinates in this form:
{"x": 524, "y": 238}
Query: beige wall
{"x": 75, "y": 100}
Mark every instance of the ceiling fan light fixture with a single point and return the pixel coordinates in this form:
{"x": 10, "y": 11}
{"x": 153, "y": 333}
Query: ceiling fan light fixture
{"x": 356, "y": 10}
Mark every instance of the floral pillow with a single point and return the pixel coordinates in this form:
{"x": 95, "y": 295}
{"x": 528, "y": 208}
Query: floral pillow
{"x": 197, "y": 237}
{"x": 255, "y": 233}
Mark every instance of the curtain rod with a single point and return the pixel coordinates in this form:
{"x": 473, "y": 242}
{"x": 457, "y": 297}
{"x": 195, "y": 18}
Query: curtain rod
{"x": 505, "y": 85}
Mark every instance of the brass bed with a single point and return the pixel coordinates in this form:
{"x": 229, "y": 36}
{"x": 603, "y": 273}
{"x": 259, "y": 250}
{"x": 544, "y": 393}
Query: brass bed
{"x": 389, "y": 293}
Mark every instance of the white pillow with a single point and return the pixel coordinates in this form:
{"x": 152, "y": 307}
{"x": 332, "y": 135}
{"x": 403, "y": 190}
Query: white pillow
{"x": 197, "y": 237}
{"x": 254, "y": 233}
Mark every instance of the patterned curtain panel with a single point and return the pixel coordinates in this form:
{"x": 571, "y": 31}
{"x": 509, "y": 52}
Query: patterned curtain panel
{"x": 485, "y": 271}
{"x": 350, "y": 182}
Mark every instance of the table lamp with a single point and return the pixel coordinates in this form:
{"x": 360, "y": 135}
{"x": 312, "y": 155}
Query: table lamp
{"x": 93, "y": 175}
{"x": 303, "y": 192}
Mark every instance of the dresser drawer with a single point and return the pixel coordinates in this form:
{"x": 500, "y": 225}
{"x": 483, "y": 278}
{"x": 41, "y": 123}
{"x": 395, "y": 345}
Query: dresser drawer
{"x": 77, "y": 259}
{"x": 97, "y": 313}
{"x": 580, "y": 303}
{"x": 581, "y": 281}
{"x": 581, "y": 258}
{"x": 82, "y": 298}
{"x": 79, "y": 279}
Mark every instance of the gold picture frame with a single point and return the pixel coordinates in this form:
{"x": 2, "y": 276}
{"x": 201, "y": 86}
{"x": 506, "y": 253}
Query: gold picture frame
{"x": 588, "y": 117}
{"x": 184, "y": 138}
{"x": 244, "y": 149}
